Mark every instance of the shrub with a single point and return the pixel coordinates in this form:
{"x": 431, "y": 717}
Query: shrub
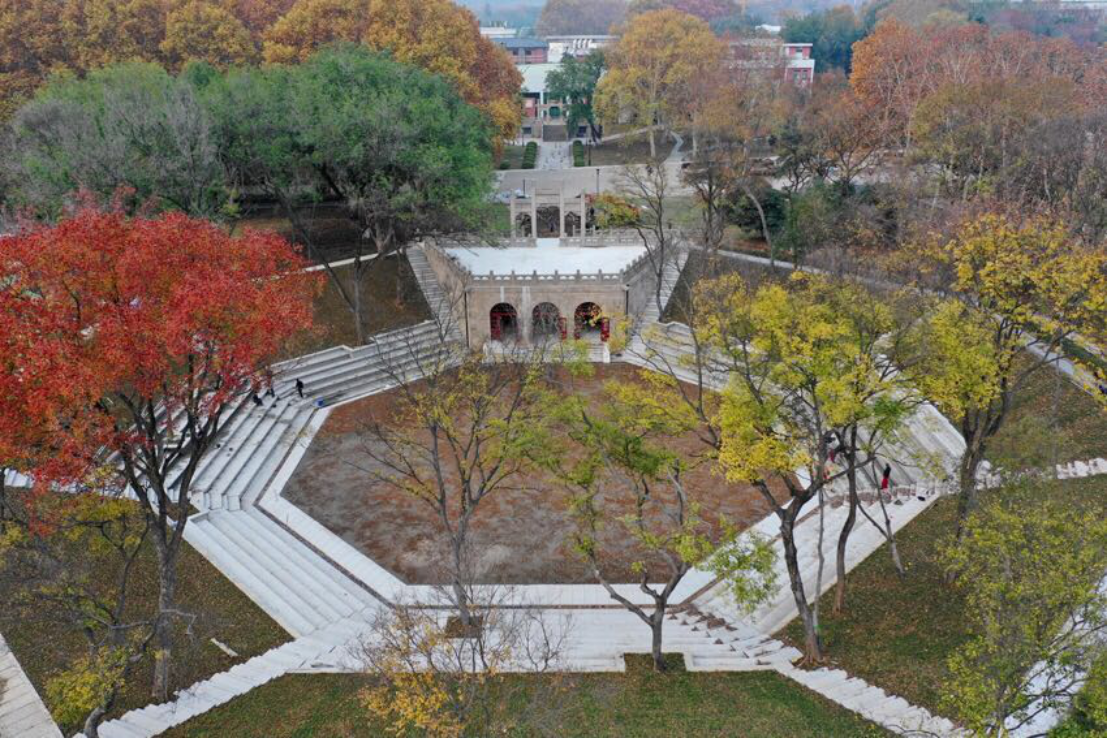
{"x": 530, "y": 155}
{"x": 578, "y": 154}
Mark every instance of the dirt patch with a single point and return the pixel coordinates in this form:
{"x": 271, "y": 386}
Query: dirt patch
{"x": 521, "y": 535}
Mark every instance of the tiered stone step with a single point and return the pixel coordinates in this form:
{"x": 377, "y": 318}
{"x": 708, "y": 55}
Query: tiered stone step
{"x": 670, "y": 276}
{"x": 598, "y": 639}
{"x": 780, "y": 609}
{"x": 300, "y": 654}
{"x": 301, "y": 590}
{"x": 22, "y": 712}
{"x": 248, "y": 453}
{"x": 890, "y": 711}
{"x": 439, "y": 302}
{"x": 731, "y": 648}
{"x": 256, "y": 439}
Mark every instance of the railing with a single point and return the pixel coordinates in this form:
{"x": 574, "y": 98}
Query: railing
{"x": 433, "y": 250}
{"x": 550, "y": 279}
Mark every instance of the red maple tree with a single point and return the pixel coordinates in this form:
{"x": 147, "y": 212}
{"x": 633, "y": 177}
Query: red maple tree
{"x": 126, "y": 341}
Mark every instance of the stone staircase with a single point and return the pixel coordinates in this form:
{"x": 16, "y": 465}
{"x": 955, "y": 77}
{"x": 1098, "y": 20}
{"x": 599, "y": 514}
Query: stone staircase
{"x": 301, "y": 654}
{"x": 22, "y": 712}
{"x": 256, "y": 439}
{"x": 300, "y": 589}
{"x": 890, "y": 711}
{"x": 441, "y": 304}
{"x": 670, "y": 276}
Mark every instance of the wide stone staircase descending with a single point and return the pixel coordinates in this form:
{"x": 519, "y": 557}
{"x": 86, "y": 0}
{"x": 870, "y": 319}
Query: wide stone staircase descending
{"x": 257, "y": 438}
{"x": 302, "y": 654}
{"x": 291, "y": 580}
{"x": 440, "y": 303}
{"x": 670, "y": 276}
{"x": 301, "y": 590}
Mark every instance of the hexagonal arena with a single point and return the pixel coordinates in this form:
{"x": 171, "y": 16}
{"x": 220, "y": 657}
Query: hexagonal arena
{"x": 522, "y": 534}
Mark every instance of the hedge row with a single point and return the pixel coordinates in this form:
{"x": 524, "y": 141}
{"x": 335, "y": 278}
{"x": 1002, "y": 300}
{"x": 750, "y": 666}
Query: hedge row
{"x": 530, "y": 154}
{"x": 578, "y": 153}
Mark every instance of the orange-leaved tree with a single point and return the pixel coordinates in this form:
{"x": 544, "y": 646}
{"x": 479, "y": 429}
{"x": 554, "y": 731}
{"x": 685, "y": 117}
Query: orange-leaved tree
{"x": 153, "y": 327}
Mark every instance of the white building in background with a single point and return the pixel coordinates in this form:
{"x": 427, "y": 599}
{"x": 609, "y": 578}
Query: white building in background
{"x": 497, "y": 32}
{"x": 576, "y": 46}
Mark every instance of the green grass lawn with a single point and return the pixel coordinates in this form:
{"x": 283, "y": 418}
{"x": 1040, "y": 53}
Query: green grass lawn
{"x": 1058, "y": 421}
{"x": 44, "y": 647}
{"x": 629, "y": 150}
{"x": 512, "y": 156}
{"x": 391, "y": 299}
{"x": 638, "y": 703}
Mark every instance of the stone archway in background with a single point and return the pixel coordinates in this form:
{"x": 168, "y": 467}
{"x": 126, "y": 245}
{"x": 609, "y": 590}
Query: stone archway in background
{"x": 545, "y": 322}
{"x": 503, "y": 322}
{"x": 522, "y": 225}
{"x": 586, "y": 320}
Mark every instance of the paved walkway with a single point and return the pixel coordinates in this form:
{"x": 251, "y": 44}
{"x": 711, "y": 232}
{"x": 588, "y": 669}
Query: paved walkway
{"x": 22, "y": 712}
{"x": 554, "y": 155}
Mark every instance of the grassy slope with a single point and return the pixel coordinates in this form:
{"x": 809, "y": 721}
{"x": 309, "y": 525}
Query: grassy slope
{"x": 226, "y": 614}
{"x": 630, "y": 150}
{"x": 898, "y": 633}
{"x": 635, "y": 704}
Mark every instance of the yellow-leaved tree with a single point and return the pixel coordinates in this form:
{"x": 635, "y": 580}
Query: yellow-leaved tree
{"x": 803, "y": 372}
{"x": 1015, "y": 296}
{"x": 651, "y": 70}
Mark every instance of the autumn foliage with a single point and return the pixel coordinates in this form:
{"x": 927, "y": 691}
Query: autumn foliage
{"x": 103, "y": 306}
{"x": 436, "y": 35}
{"x": 897, "y": 67}
{"x": 43, "y": 37}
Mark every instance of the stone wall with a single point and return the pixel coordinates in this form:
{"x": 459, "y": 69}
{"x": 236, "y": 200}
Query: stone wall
{"x": 523, "y": 296}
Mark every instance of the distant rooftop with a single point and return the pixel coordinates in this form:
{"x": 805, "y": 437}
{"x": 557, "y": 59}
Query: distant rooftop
{"x": 494, "y": 32}
{"x": 522, "y": 43}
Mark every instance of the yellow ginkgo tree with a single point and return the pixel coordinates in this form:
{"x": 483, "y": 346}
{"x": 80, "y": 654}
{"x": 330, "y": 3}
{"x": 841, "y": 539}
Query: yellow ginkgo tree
{"x": 626, "y": 472}
{"x": 800, "y": 372}
{"x": 1013, "y": 296}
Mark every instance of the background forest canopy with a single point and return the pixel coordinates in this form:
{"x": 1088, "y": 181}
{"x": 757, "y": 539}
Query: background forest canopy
{"x": 44, "y": 38}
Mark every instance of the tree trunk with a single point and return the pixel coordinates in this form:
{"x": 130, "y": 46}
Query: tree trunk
{"x": 657, "y": 622}
{"x": 93, "y": 721}
{"x": 843, "y": 539}
{"x": 653, "y": 144}
{"x": 812, "y": 648}
{"x": 966, "y": 503}
{"x": 358, "y": 326}
{"x": 764, "y": 223}
{"x": 163, "y": 635}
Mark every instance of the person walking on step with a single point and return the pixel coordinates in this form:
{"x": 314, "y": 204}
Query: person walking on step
{"x": 886, "y": 478}
{"x": 300, "y": 387}
{"x": 257, "y": 401}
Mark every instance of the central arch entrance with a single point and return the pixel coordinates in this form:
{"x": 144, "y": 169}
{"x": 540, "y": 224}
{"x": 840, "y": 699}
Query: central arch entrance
{"x": 545, "y": 322}
{"x": 503, "y": 322}
{"x": 586, "y": 320}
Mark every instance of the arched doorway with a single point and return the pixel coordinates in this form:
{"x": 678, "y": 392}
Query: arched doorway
{"x": 572, "y": 224}
{"x": 523, "y": 225}
{"x": 503, "y": 322}
{"x": 545, "y": 322}
{"x": 586, "y": 320}
{"x": 549, "y": 221}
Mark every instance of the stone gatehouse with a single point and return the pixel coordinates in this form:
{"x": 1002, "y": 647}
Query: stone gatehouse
{"x": 536, "y": 290}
